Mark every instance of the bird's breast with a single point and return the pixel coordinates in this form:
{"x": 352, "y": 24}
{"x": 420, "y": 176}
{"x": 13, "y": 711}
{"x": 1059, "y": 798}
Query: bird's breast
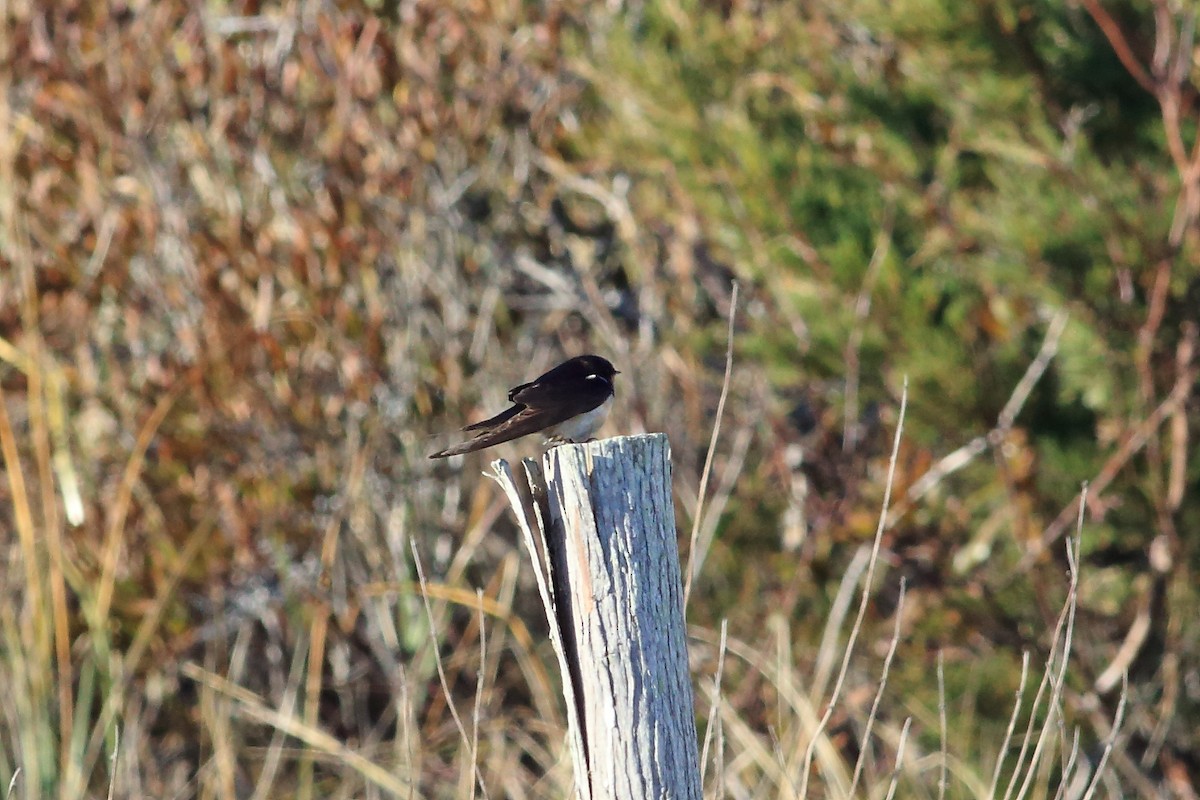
{"x": 584, "y": 426}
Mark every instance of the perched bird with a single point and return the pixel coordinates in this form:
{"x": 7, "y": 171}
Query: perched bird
{"x": 567, "y": 404}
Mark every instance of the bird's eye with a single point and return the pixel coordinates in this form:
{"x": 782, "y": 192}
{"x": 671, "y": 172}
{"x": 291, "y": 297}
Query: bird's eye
{"x": 592, "y": 377}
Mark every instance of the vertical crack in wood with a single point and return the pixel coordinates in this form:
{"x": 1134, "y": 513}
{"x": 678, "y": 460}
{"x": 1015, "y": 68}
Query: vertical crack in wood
{"x": 560, "y": 588}
{"x": 529, "y": 501}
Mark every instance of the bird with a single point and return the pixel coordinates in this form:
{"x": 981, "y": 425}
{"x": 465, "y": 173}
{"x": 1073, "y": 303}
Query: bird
{"x": 567, "y": 404}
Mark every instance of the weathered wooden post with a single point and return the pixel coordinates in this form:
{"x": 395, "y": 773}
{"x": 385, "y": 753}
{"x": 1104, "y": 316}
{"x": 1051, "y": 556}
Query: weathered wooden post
{"x": 599, "y": 523}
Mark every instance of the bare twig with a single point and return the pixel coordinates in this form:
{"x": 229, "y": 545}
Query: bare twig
{"x": 1004, "y": 422}
{"x": 441, "y": 670}
{"x": 1133, "y": 442}
{"x": 720, "y": 498}
{"x": 1112, "y": 738}
{"x": 478, "y": 690}
{"x": 712, "y": 447}
{"x": 941, "y": 678}
{"x": 714, "y": 707}
{"x": 1066, "y": 779}
{"x": 1012, "y": 724}
{"x": 806, "y": 770}
{"x": 887, "y": 666}
{"x": 112, "y": 762}
{"x": 1057, "y": 682}
{"x": 1034, "y": 372}
{"x": 1118, "y": 668}
{"x": 265, "y": 782}
{"x": 1027, "y": 738}
{"x": 899, "y": 759}
{"x": 1120, "y": 46}
{"x": 827, "y": 650}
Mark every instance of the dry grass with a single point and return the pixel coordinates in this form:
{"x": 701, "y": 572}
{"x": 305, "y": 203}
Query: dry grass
{"x": 251, "y": 264}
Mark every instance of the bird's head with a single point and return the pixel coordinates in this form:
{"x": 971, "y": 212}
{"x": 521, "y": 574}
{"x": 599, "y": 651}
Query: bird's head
{"x": 592, "y": 365}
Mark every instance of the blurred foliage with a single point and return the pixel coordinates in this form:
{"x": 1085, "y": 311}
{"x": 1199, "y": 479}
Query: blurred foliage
{"x": 255, "y": 257}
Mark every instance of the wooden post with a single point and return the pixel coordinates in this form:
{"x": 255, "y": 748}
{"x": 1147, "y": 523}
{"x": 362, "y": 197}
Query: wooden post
{"x": 599, "y": 523}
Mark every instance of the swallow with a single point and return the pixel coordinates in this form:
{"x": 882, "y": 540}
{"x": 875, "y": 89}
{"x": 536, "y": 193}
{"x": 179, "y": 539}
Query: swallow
{"x": 567, "y": 404}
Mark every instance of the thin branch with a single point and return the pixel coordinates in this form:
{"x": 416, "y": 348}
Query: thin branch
{"x": 441, "y": 670}
{"x": 712, "y": 447}
{"x": 899, "y": 758}
{"x": 941, "y": 678}
{"x": 1116, "y": 39}
{"x": 827, "y": 650}
{"x": 478, "y": 690}
{"x": 714, "y": 708}
{"x": 1112, "y": 739}
{"x": 964, "y": 455}
{"x": 866, "y": 596}
{"x": 1065, "y": 780}
{"x": 720, "y": 498}
{"x": 1054, "y": 707}
{"x": 1133, "y": 443}
{"x": 1135, "y": 638}
{"x": 1034, "y": 372}
{"x": 887, "y": 666}
{"x": 1033, "y": 707}
{"x": 1012, "y": 725}
{"x": 112, "y": 777}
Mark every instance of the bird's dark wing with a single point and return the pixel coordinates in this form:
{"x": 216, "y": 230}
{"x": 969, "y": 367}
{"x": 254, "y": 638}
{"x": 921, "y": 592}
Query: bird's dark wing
{"x": 570, "y": 372}
{"x": 565, "y": 400}
{"x": 513, "y": 392}
{"x": 538, "y": 407}
{"x": 514, "y": 423}
{"x": 577, "y": 397}
{"x": 499, "y": 419}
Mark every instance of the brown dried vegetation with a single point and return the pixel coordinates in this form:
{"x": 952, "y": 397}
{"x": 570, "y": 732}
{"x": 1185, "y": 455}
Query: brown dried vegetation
{"x": 255, "y": 258}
